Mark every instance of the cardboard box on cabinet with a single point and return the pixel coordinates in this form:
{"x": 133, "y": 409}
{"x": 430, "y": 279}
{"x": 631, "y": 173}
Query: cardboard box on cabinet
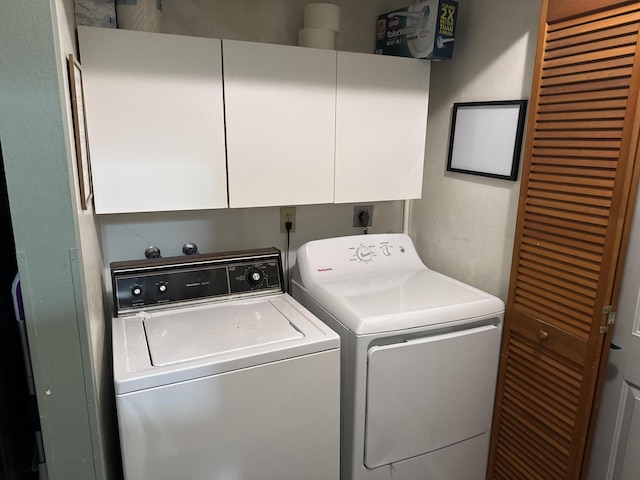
{"x": 422, "y": 30}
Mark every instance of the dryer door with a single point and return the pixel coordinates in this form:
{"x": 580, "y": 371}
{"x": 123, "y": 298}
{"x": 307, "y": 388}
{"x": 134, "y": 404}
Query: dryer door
{"x": 429, "y": 393}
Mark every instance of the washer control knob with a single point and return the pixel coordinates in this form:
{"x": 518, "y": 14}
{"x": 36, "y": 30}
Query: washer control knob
{"x": 162, "y": 287}
{"x": 136, "y": 290}
{"x": 364, "y": 254}
{"x": 254, "y": 277}
{"x": 190, "y": 248}
{"x": 152, "y": 252}
{"x": 386, "y": 251}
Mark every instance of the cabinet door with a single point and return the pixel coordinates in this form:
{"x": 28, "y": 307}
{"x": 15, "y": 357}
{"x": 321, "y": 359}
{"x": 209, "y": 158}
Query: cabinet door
{"x": 381, "y": 126}
{"x": 155, "y": 120}
{"x": 571, "y": 233}
{"x": 280, "y": 114}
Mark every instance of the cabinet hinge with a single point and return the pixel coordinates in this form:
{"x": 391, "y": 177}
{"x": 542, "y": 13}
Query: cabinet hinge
{"x": 611, "y": 315}
{"x": 603, "y": 329}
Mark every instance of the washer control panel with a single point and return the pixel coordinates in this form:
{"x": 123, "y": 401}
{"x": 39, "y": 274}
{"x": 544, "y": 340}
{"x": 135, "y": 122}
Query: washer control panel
{"x": 157, "y": 283}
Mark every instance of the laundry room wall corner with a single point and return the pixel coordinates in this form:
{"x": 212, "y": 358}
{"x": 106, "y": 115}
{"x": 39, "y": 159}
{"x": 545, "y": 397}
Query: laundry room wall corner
{"x": 464, "y": 224}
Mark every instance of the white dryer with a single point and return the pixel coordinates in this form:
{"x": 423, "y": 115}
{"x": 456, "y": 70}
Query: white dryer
{"x": 219, "y": 374}
{"x": 419, "y": 357}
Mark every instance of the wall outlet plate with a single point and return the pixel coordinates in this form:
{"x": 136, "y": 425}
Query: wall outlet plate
{"x": 287, "y": 214}
{"x": 367, "y": 215}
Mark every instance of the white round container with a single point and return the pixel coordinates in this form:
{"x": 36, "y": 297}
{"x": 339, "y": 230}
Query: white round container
{"x": 317, "y": 38}
{"x": 322, "y": 15}
{"x": 141, "y": 15}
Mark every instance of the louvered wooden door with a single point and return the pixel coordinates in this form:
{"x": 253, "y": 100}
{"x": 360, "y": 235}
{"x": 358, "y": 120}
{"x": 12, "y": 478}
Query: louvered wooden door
{"x": 579, "y": 156}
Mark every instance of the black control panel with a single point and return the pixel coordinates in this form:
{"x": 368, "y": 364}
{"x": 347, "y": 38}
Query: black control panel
{"x": 155, "y": 283}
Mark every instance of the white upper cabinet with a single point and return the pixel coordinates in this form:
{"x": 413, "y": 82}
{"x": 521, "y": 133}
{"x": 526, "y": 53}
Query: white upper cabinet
{"x": 280, "y": 120}
{"x": 154, "y": 109}
{"x": 381, "y": 126}
{"x": 302, "y": 125}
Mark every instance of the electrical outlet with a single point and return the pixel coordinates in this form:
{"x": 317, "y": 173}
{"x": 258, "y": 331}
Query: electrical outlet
{"x": 287, "y": 214}
{"x": 366, "y": 220}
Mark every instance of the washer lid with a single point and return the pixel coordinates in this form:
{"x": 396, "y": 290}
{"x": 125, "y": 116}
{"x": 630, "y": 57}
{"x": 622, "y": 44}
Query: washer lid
{"x": 162, "y": 347}
{"x": 201, "y": 333}
{"x": 399, "y": 301}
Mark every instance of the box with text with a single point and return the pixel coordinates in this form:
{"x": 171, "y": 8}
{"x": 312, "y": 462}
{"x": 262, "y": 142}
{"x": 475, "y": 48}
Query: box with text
{"x": 423, "y": 30}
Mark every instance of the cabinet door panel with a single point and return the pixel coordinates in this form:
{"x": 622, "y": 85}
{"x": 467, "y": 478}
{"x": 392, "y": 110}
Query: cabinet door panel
{"x": 381, "y": 126}
{"x": 155, "y": 120}
{"x": 574, "y": 208}
{"x": 280, "y": 114}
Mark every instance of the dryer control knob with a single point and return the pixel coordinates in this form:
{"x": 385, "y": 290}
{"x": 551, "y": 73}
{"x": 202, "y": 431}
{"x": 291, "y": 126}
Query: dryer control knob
{"x": 386, "y": 251}
{"x": 162, "y": 287}
{"x": 136, "y": 290}
{"x": 364, "y": 254}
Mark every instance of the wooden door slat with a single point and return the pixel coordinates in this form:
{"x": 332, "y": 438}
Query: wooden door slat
{"x": 580, "y": 277}
{"x": 601, "y": 26}
{"x": 587, "y": 261}
{"x": 584, "y": 77}
{"x": 538, "y": 391}
{"x": 568, "y": 224}
{"x": 590, "y": 36}
{"x": 599, "y": 115}
{"x": 570, "y": 198}
{"x": 574, "y": 170}
{"x": 592, "y": 86}
{"x": 569, "y": 188}
{"x": 600, "y": 104}
{"x": 531, "y": 404}
{"x": 588, "y": 125}
{"x": 575, "y": 236}
{"x": 577, "y": 144}
{"x": 578, "y": 134}
{"x": 594, "y": 213}
{"x": 600, "y": 65}
{"x": 594, "y": 46}
{"x": 584, "y": 97}
{"x": 548, "y": 276}
{"x": 570, "y": 219}
{"x": 532, "y": 447}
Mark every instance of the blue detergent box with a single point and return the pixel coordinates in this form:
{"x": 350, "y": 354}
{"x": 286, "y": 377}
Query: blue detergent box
{"x": 422, "y": 30}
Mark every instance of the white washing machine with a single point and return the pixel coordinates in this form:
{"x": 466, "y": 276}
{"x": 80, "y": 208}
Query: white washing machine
{"x": 219, "y": 374}
{"x": 419, "y": 358}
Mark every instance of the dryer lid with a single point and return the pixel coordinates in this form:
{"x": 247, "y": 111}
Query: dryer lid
{"x": 400, "y": 301}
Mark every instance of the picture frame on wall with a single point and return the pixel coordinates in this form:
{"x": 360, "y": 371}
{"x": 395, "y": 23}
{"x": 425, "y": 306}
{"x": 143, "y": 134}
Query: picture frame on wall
{"x": 80, "y": 130}
{"x": 486, "y": 138}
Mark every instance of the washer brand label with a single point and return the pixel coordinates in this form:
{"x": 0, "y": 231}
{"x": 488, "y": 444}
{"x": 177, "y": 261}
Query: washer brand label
{"x": 328, "y": 269}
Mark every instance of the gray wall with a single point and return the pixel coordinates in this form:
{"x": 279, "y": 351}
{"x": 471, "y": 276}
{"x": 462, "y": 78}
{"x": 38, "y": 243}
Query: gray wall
{"x": 464, "y": 224}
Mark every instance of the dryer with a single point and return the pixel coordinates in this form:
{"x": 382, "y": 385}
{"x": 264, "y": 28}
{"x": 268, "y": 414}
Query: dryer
{"x": 219, "y": 374}
{"x": 419, "y": 358}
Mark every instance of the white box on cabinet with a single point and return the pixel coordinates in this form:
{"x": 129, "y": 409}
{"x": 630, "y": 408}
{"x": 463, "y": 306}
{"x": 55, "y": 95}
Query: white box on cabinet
{"x": 155, "y": 120}
{"x": 381, "y": 126}
{"x": 280, "y": 114}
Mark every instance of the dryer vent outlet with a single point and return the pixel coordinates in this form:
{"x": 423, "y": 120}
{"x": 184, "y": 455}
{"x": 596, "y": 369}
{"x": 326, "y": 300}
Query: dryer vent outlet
{"x": 363, "y": 215}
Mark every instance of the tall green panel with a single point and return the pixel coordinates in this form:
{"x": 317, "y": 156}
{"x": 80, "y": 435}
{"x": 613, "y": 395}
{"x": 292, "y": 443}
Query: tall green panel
{"x": 34, "y": 144}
